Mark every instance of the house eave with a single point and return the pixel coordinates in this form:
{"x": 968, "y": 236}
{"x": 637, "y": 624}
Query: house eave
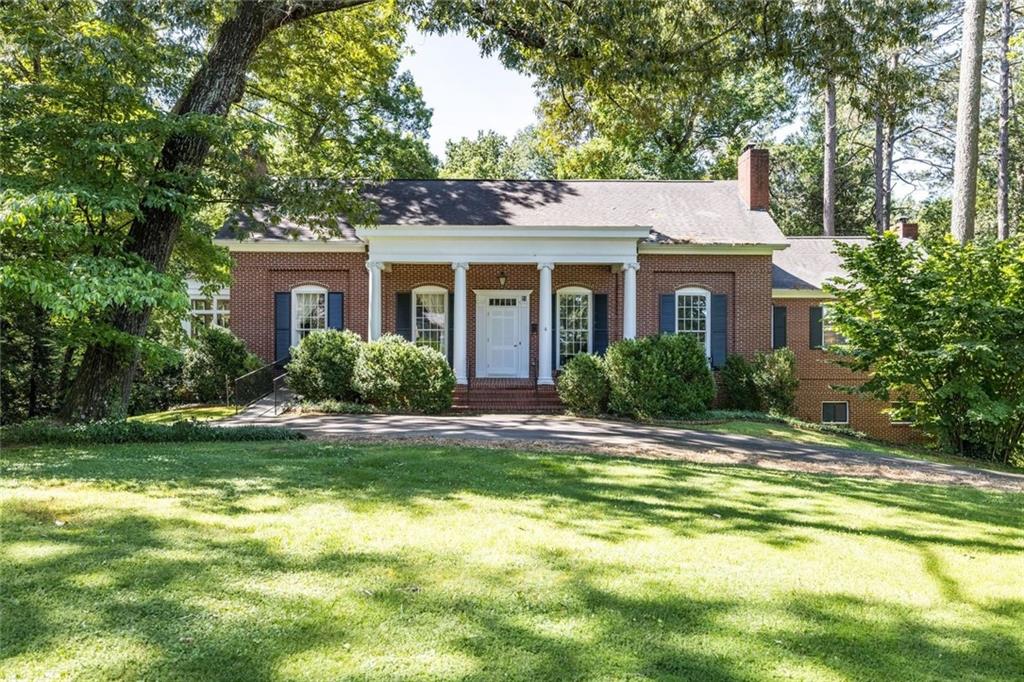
{"x": 291, "y": 246}
{"x": 800, "y": 293}
{"x": 711, "y": 249}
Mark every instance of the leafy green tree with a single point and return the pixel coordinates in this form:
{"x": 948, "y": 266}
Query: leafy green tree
{"x": 125, "y": 142}
{"x": 492, "y": 155}
{"x": 939, "y": 328}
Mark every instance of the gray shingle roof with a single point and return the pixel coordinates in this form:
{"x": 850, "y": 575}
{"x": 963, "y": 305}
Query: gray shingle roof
{"x": 809, "y": 262}
{"x": 694, "y": 212}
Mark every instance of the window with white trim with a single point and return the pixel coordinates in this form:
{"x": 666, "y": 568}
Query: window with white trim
{"x": 573, "y": 323}
{"x": 430, "y": 318}
{"x": 693, "y": 314}
{"x": 208, "y": 312}
{"x": 829, "y": 336}
{"x": 835, "y": 412}
{"x": 309, "y": 311}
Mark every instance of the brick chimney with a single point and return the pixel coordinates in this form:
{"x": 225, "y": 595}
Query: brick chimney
{"x": 905, "y": 228}
{"x": 752, "y": 173}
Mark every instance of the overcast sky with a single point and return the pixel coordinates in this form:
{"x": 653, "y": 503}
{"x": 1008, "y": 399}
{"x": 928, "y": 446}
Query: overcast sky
{"x": 466, "y": 91}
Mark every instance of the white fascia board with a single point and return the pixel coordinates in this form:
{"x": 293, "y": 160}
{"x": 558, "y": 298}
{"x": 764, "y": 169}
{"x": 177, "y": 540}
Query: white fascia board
{"x": 800, "y": 293}
{"x": 195, "y": 289}
{"x": 371, "y": 233}
{"x": 291, "y": 246}
{"x": 421, "y": 248}
{"x": 712, "y": 249}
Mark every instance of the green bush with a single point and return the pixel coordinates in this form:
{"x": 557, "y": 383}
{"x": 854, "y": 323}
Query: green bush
{"x": 775, "y": 378}
{"x": 321, "y": 367}
{"x": 43, "y": 432}
{"x": 583, "y": 385}
{"x": 395, "y": 375}
{"x": 333, "y": 407}
{"x": 738, "y": 386}
{"x": 215, "y": 358}
{"x": 664, "y": 376}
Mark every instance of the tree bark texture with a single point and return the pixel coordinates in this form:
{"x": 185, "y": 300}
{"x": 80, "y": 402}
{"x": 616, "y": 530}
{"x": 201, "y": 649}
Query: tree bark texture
{"x": 878, "y": 156}
{"x": 103, "y": 382}
{"x": 1003, "y": 187}
{"x": 965, "y": 168}
{"x": 831, "y": 142}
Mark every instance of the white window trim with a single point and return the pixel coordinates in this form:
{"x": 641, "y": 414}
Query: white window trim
{"x": 573, "y": 291}
{"x": 305, "y": 289}
{"x": 431, "y": 289}
{"x": 835, "y": 402}
{"x": 195, "y": 290}
{"x": 697, "y": 291}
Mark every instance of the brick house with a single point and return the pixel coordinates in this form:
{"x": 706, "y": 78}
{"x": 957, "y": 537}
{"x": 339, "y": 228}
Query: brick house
{"x": 510, "y": 279}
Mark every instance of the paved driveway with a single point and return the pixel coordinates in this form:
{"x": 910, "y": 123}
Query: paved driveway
{"x": 614, "y": 437}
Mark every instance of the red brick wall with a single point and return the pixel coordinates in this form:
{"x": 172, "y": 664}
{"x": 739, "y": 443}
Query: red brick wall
{"x": 746, "y": 280}
{"x": 817, "y": 374}
{"x": 257, "y": 275}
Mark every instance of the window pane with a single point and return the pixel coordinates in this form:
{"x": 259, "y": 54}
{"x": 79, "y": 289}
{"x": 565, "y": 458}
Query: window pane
{"x": 311, "y": 313}
{"x": 692, "y": 316}
{"x": 223, "y": 304}
{"x": 574, "y": 326}
{"x": 200, "y": 304}
{"x": 829, "y": 336}
{"x": 224, "y": 320}
{"x": 430, "y": 324}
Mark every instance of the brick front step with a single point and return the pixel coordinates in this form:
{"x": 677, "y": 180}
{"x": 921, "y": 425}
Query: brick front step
{"x": 505, "y": 395}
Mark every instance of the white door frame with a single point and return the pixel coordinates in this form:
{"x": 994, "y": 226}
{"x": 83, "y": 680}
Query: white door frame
{"x": 523, "y": 308}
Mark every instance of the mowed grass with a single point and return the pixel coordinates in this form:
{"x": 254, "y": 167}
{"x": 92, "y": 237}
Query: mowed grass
{"x": 197, "y": 412}
{"x": 290, "y": 561}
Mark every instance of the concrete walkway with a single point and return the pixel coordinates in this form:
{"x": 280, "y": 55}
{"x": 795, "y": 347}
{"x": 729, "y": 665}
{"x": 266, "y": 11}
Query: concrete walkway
{"x": 615, "y": 437}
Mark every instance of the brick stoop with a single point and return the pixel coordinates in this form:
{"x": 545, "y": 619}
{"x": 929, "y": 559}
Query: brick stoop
{"x": 506, "y": 395}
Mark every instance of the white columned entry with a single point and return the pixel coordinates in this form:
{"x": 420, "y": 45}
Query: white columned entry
{"x": 375, "y": 268}
{"x": 459, "y": 324}
{"x": 629, "y": 300}
{"x": 544, "y": 349}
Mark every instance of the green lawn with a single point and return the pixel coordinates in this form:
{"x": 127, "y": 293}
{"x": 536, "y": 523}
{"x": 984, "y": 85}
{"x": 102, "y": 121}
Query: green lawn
{"x": 809, "y": 437}
{"x": 197, "y": 412}
{"x": 305, "y": 560}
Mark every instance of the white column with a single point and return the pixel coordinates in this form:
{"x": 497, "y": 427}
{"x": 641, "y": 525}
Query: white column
{"x": 629, "y": 300}
{"x": 375, "y": 268}
{"x": 544, "y": 335}
{"x": 459, "y": 323}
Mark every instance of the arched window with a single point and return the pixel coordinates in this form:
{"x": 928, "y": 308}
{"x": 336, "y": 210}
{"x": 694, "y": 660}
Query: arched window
{"x": 693, "y": 312}
{"x": 430, "y": 317}
{"x": 309, "y": 311}
{"x": 574, "y": 312}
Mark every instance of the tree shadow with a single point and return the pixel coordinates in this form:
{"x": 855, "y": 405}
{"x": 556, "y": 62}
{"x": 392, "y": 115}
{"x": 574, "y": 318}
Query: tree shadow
{"x": 210, "y": 597}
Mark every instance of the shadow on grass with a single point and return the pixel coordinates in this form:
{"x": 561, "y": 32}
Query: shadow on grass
{"x": 205, "y": 596}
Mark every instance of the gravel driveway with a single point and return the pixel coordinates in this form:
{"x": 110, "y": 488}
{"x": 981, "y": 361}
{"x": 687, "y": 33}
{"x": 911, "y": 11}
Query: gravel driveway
{"x": 614, "y": 437}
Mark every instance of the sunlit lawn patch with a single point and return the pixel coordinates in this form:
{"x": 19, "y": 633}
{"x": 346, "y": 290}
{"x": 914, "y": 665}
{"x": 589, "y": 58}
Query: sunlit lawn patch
{"x": 198, "y": 412}
{"x": 301, "y": 560}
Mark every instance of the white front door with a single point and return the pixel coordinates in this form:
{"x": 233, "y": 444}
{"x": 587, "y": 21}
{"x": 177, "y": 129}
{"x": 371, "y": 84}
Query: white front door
{"x": 502, "y": 334}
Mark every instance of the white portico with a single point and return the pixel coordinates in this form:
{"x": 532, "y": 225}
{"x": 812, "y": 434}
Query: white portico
{"x": 501, "y": 314}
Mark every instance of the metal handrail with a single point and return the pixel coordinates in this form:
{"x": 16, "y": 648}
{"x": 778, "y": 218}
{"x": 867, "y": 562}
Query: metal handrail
{"x": 250, "y": 387}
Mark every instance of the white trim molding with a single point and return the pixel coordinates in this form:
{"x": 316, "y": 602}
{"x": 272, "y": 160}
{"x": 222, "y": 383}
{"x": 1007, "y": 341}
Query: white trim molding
{"x": 710, "y": 249}
{"x": 431, "y": 289}
{"x": 291, "y": 246}
{"x": 800, "y": 293}
{"x": 706, "y": 295}
{"x": 302, "y": 290}
{"x": 573, "y": 291}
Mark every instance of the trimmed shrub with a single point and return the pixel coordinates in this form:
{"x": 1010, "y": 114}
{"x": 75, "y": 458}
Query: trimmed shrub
{"x": 397, "y": 376}
{"x": 583, "y": 385}
{"x": 738, "y": 386}
{"x": 664, "y": 376}
{"x": 215, "y": 358}
{"x": 42, "y": 432}
{"x": 775, "y": 378}
{"x": 321, "y": 367}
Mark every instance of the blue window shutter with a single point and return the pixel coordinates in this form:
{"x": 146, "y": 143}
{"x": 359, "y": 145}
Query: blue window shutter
{"x": 816, "y": 329}
{"x": 451, "y": 327}
{"x": 719, "y": 329}
{"x": 403, "y": 314}
{"x": 778, "y": 326}
{"x": 554, "y": 331}
{"x": 282, "y": 327}
{"x": 667, "y": 314}
{"x": 335, "y": 310}
{"x": 600, "y": 323}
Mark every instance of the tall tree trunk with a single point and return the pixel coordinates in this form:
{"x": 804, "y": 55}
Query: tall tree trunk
{"x": 39, "y": 361}
{"x": 890, "y": 145}
{"x": 1003, "y": 191}
{"x": 878, "y": 157}
{"x": 828, "y": 195}
{"x": 104, "y": 378}
{"x": 965, "y": 168}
